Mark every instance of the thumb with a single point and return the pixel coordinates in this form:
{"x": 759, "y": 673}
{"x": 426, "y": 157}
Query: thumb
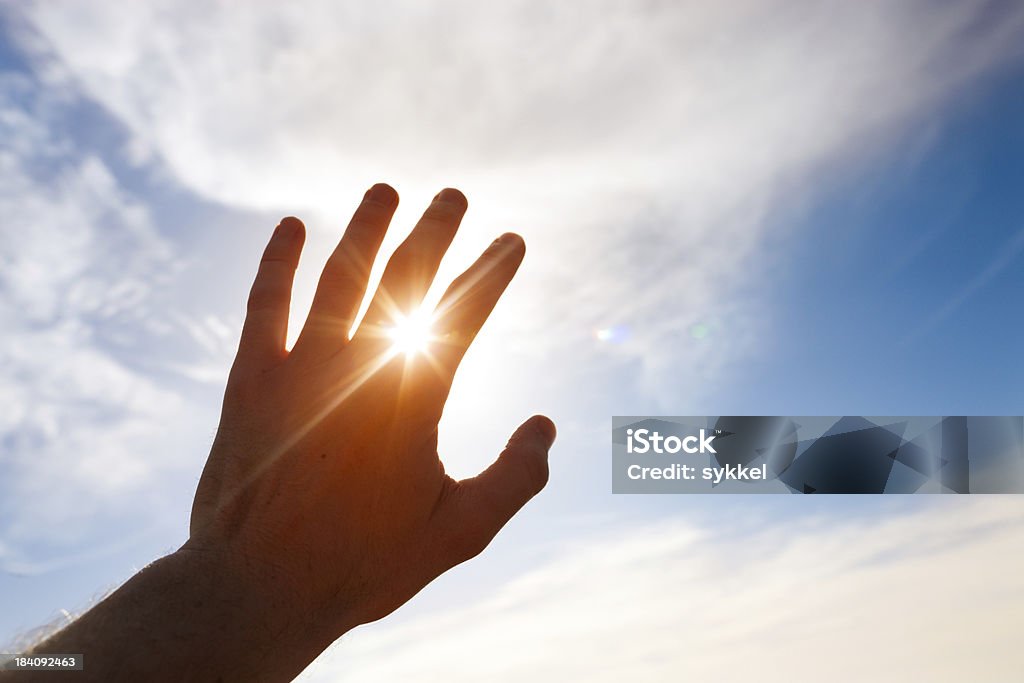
{"x": 486, "y": 502}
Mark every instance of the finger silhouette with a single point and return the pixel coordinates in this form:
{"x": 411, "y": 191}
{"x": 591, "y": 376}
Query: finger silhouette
{"x": 485, "y": 503}
{"x": 412, "y": 267}
{"x": 266, "y": 318}
{"x": 344, "y": 278}
{"x": 470, "y": 299}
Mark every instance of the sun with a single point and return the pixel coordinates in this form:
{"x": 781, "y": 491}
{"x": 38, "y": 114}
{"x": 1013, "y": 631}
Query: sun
{"x": 411, "y": 334}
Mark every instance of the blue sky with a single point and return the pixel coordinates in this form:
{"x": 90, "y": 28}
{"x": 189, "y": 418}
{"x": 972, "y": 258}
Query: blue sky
{"x": 904, "y": 283}
{"x": 780, "y": 207}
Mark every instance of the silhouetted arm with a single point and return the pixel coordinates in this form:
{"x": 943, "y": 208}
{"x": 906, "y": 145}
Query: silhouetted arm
{"x": 324, "y": 503}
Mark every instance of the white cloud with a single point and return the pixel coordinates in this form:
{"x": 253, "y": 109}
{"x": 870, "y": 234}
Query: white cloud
{"x": 929, "y": 593}
{"x": 83, "y": 427}
{"x": 643, "y": 148}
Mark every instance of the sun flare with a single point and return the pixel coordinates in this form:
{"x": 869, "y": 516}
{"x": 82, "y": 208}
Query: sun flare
{"x": 411, "y": 334}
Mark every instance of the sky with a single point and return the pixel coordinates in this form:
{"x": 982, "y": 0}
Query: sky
{"x": 753, "y": 207}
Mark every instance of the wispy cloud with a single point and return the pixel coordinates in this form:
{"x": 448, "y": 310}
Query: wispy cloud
{"x": 645, "y": 149}
{"x": 649, "y": 152}
{"x": 1007, "y": 254}
{"x": 930, "y": 592}
{"x": 79, "y": 260}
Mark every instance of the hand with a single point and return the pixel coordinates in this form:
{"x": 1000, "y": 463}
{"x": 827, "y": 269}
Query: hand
{"x": 324, "y": 491}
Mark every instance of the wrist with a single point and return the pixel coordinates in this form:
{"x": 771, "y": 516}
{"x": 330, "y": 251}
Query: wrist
{"x": 257, "y": 613}
{"x": 267, "y": 594}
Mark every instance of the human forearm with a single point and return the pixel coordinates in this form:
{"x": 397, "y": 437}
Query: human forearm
{"x": 190, "y": 616}
{"x": 324, "y": 503}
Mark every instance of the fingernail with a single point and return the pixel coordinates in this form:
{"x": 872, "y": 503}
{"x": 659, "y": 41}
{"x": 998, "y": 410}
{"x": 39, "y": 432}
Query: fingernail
{"x": 450, "y": 195}
{"x": 545, "y": 428}
{"x": 506, "y": 241}
{"x": 381, "y": 193}
{"x": 290, "y": 227}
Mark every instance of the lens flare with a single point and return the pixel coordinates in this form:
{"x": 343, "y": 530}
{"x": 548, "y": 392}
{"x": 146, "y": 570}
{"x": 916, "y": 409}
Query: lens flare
{"x": 411, "y": 334}
{"x": 616, "y": 334}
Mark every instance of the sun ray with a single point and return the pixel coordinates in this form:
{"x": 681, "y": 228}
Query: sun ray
{"x": 411, "y": 334}
{"x": 339, "y": 392}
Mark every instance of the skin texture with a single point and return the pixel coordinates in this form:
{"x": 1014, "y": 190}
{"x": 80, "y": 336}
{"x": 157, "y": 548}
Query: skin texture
{"x": 324, "y": 503}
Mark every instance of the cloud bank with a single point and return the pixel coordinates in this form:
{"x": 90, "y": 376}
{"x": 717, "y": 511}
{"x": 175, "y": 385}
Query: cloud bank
{"x": 646, "y": 150}
{"x": 75, "y": 266}
{"x": 929, "y": 595}
{"x": 649, "y": 152}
